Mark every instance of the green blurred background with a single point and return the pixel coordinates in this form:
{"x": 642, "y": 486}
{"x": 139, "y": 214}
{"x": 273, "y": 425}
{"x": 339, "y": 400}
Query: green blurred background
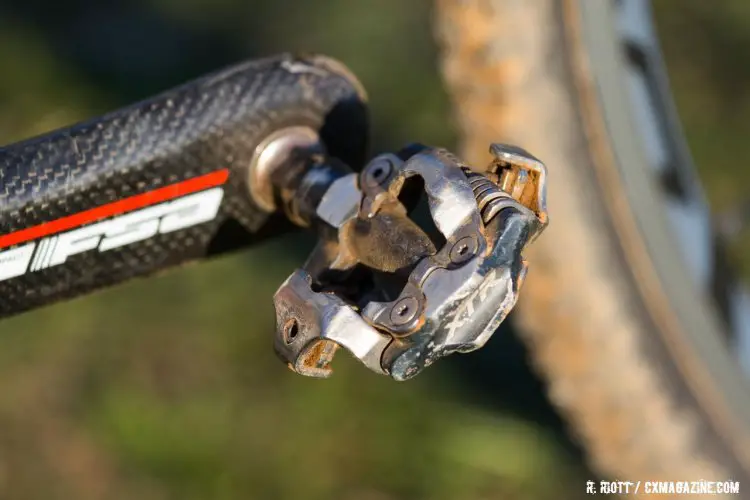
{"x": 168, "y": 388}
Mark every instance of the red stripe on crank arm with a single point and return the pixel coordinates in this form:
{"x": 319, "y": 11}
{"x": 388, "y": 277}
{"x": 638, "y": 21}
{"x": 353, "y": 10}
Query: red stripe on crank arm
{"x": 117, "y": 207}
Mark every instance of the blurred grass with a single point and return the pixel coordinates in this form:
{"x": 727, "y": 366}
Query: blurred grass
{"x": 706, "y": 45}
{"x": 160, "y": 389}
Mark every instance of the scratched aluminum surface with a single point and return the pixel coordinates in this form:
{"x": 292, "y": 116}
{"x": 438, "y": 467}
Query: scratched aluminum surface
{"x": 210, "y": 124}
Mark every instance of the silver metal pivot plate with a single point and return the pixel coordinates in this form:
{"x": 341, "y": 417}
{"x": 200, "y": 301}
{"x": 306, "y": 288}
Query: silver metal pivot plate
{"x": 400, "y": 292}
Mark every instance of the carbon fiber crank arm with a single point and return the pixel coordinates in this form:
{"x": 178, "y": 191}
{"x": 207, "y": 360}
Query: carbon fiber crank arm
{"x": 395, "y": 294}
{"x": 169, "y": 180}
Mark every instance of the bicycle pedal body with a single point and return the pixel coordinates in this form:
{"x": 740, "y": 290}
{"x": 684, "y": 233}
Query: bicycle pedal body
{"x": 395, "y": 294}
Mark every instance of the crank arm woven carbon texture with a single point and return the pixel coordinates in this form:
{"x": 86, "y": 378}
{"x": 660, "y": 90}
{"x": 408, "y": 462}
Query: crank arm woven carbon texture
{"x": 163, "y": 182}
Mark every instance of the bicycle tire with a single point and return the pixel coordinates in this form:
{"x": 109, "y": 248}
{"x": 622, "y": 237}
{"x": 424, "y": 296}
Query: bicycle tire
{"x": 631, "y": 350}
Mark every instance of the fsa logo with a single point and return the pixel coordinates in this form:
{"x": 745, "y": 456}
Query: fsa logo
{"x": 132, "y": 227}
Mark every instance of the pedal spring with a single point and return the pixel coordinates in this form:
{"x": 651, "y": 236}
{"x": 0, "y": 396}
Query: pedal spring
{"x": 490, "y": 198}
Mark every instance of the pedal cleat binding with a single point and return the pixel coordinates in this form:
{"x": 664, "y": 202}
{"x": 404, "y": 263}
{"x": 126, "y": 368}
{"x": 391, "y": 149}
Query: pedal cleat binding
{"x": 399, "y": 296}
